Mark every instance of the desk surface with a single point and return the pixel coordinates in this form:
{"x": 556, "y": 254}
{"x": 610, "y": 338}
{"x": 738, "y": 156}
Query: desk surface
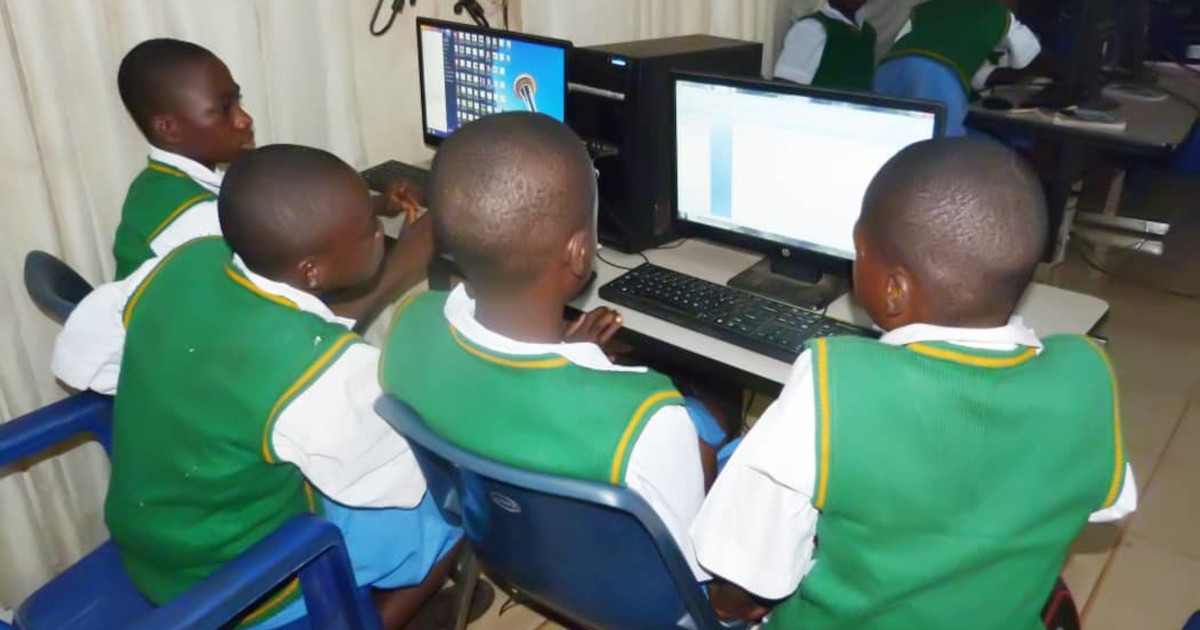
{"x": 1151, "y": 126}
{"x": 1048, "y": 310}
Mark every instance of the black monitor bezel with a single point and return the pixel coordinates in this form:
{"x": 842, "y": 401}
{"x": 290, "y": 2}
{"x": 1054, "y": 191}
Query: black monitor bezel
{"x": 775, "y": 249}
{"x": 434, "y": 140}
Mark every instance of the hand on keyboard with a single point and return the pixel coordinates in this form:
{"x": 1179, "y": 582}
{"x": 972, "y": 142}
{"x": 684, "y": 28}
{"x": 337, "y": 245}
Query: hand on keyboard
{"x": 597, "y": 327}
{"x": 402, "y": 196}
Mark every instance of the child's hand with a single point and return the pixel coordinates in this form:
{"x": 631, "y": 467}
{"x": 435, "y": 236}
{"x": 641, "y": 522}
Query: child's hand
{"x": 597, "y": 327}
{"x": 402, "y": 197}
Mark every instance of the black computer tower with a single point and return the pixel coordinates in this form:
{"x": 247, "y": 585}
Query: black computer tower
{"x": 620, "y": 101}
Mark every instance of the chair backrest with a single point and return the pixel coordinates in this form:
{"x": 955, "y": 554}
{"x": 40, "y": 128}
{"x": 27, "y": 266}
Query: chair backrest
{"x": 52, "y": 285}
{"x": 593, "y": 553}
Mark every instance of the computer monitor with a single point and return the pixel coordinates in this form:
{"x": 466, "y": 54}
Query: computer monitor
{"x": 469, "y": 72}
{"x": 782, "y": 169}
{"x": 1085, "y": 37}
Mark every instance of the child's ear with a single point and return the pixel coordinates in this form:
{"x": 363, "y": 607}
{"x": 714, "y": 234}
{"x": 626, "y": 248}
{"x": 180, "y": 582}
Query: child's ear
{"x": 579, "y": 253}
{"x": 898, "y": 293}
{"x": 166, "y": 128}
{"x": 310, "y": 274}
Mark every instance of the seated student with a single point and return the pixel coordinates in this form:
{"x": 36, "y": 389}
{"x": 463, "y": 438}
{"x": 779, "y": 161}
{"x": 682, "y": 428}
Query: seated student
{"x": 238, "y": 391}
{"x": 831, "y": 48}
{"x": 492, "y": 368}
{"x": 934, "y": 478}
{"x": 970, "y": 38}
{"x": 187, "y": 105}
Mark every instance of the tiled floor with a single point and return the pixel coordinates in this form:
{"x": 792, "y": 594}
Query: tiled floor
{"x": 1143, "y": 574}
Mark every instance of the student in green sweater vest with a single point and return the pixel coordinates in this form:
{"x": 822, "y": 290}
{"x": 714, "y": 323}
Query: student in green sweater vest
{"x": 242, "y": 400}
{"x": 948, "y": 48}
{"x": 186, "y": 103}
{"x": 934, "y": 478}
{"x": 831, "y": 48}
{"x": 493, "y": 367}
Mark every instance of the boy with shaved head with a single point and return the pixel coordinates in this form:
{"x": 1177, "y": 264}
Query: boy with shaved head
{"x": 186, "y": 103}
{"x": 935, "y": 477}
{"x": 492, "y": 367}
{"x": 242, "y": 400}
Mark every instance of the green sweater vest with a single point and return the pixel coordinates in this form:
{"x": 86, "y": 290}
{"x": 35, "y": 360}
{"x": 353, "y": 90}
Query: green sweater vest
{"x": 848, "y": 62}
{"x": 960, "y": 33}
{"x": 951, "y": 481}
{"x": 158, "y": 195}
{"x": 540, "y": 413}
{"x": 210, "y": 361}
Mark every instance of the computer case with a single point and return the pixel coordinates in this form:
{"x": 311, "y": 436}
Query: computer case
{"x": 619, "y": 100}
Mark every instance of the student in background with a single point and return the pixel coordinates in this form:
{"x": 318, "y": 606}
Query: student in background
{"x": 949, "y": 48}
{"x": 831, "y": 48}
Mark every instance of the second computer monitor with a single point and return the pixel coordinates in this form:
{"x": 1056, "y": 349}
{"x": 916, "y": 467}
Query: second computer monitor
{"x": 469, "y": 72}
{"x": 783, "y": 169}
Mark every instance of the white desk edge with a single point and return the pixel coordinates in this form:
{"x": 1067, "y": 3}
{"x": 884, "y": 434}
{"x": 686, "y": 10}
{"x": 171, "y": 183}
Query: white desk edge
{"x": 1048, "y": 310}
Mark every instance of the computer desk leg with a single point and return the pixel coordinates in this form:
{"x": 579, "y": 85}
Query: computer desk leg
{"x": 1108, "y": 217}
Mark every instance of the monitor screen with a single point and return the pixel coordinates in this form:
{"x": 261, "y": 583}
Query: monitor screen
{"x": 785, "y": 164}
{"x": 468, "y": 72}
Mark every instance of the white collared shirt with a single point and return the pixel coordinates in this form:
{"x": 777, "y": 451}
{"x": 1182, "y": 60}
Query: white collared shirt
{"x": 199, "y": 220}
{"x": 330, "y": 431}
{"x": 664, "y": 466}
{"x": 757, "y": 527}
{"x": 804, "y": 45}
{"x": 1018, "y": 49}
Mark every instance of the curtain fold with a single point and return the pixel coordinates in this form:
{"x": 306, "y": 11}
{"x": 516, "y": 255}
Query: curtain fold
{"x": 310, "y": 74}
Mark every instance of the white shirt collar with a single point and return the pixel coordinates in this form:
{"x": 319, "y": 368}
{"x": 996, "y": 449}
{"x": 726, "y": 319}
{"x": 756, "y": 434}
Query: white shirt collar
{"x": 1007, "y": 337}
{"x": 306, "y": 302}
{"x": 830, "y": 12}
{"x": 209, "y": 179}
{"x": 460, "y": 312}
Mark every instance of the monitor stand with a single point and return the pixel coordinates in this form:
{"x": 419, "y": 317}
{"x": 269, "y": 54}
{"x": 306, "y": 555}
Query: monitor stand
{"x": 792, "y": 282}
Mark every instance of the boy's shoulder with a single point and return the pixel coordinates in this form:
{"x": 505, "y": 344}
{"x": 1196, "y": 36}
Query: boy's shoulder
{"x": 158, "y": 182}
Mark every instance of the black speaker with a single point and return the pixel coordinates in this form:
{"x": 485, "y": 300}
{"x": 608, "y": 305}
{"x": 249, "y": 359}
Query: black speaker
{"x": 619, "y": 101}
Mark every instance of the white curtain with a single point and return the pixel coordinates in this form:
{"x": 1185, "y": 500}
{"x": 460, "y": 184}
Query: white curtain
{"x": 591, "y": 22}
{"x": 311, "y": 74}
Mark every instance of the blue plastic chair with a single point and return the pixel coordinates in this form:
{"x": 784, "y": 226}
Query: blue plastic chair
{"x": 595, "y": 554}
{"x": 919, "y": 77}
{"x": 52, "y": 285}
{"x": 95, "y": 593}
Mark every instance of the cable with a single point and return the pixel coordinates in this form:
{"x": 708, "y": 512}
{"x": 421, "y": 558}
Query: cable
{"x": 673, "y": 245}
{"x": 621, "y": 267}
{"x": 1136, "y": 247}
{"x": 474, "y": 10}
{"x": 397, "y": 8}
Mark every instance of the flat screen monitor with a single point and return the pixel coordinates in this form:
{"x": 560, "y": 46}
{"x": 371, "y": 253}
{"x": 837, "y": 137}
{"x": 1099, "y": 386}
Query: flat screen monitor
{"x": 783, "y": 169}
{"x": 469, "y": 72}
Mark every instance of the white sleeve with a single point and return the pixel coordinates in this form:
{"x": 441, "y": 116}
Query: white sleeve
{"x": 333, "y": 435}
{"x": 979, "y": 81}
{"x": 1021, "y": 44}
{"x": 665, "y": 470}
{"x": 757, "y": 526}
{"x": 88, "y": 351}
{"x": 802, "y": 51}
{"x": 904, "y": 30}
{"x": 1125, "y": 504}
{"x": 198, "y": 221}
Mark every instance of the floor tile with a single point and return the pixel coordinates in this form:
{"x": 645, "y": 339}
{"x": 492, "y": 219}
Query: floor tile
{"x": 1148, "y": 587}
{"x": 1089, "y": 555}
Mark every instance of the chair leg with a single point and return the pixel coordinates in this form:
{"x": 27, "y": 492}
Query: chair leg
{"x": 468, "y": 577}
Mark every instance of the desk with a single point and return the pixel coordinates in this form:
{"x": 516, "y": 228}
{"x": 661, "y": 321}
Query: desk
{"x": 1046, "y": 309}
{"x": 1154, "y": 129}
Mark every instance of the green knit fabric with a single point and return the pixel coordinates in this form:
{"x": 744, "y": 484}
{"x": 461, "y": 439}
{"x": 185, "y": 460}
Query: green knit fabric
{"x": 210, "y": 361}
{"x": 952, "y": 481}
{"x": 848, "y": 61}
{"x": 960, "y": 33}
{"x": 158, "y": 196}
{"x": 540, "y": 413}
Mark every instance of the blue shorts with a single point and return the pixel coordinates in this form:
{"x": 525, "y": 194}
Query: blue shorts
{"x": 710, "y": 431}
{"x": 389, "y": 548}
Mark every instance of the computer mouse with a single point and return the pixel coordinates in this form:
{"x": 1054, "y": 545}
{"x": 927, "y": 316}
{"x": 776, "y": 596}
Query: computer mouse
{"x": 997, "y": 103}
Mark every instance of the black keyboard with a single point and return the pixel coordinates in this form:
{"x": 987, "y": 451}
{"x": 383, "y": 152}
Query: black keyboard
{"x": 379, "y": 175}
{"x": 742, "y": 318}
